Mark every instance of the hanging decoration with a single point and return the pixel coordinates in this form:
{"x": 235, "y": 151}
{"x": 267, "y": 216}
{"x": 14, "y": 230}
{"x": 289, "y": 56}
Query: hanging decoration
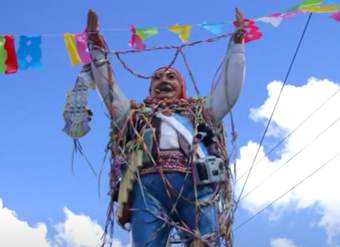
{"x": 76, "y": 113}
{"x": 183, "y": 31}
{"x": 145, "y": 33}
{"x": 213, "y": 27}
{"x": 29, "y": 52}
{"x": 70, "y": 43}
{"x": 135, "y": 40}
{"x": 252, "y": 31}
{"x": 335, "y": 16}
{"x": 3, "y": 54}
{"x": 320, "y": 8}
{"x": 82, "y": 47}
{"x": 11, "y": 58}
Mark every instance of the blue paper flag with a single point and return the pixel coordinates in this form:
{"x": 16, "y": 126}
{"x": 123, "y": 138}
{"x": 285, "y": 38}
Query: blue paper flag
{"x": 213, "y": 27}
{"x": 29, "y": 52}
{"x": 330, "y": 1}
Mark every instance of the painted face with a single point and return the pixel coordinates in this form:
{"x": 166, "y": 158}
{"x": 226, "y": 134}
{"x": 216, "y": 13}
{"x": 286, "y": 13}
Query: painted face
{"x": 166, "y": 84}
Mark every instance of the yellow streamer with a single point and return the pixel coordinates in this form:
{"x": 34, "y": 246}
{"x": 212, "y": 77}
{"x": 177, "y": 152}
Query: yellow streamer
{"x": 320, "y": 8}
{"x": 183, "y": 31}
{"x": 70, "y": 43}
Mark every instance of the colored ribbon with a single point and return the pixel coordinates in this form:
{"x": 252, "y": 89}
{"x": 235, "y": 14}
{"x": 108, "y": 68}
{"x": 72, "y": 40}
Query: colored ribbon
{"x": 11, "y": 59}
{"x": 3, "y": 54}
{"x": 69, "y": 39}
{"x": 183, "y": 31}
{"x": 135, "y": 41}
{"x": 82, "y": 47}
{"x": 29, "y": 52}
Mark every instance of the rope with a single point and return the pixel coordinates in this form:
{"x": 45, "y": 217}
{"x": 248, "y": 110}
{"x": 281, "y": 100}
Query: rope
{"x": 169, "y": 47}
{"x": 275, "y": 106}
{"x": 178, "y": 48}
{"x": 190, "y": 73}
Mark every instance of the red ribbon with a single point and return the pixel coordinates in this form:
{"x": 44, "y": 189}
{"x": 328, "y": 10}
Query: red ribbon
{"x": 11, "y": 60}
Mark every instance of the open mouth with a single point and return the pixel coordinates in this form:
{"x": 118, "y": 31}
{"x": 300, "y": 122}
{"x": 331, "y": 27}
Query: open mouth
{"x": 164, "y": 87}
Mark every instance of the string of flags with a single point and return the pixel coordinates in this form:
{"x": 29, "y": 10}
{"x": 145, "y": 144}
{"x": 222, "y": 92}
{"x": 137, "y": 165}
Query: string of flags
{"x": 29, "y": 53}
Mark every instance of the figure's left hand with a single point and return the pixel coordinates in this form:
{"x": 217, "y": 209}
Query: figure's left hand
{"x": 92, "y": 29}
{"x": 238, "y": 35}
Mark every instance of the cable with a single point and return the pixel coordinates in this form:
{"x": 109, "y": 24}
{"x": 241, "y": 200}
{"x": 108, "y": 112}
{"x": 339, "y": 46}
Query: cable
{"x": 285, "y": 193}
{"x": 294, "y": 130}
{"x": 276, "y": 104}
{"x": 291, "y": 158}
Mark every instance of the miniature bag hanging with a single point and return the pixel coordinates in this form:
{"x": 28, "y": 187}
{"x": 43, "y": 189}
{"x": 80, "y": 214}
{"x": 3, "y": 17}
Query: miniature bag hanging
{"x": 76, "y": 113}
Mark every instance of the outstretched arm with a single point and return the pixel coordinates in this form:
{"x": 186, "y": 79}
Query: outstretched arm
{"x": 100, "y": 69}
{"x": 230, "y": 80}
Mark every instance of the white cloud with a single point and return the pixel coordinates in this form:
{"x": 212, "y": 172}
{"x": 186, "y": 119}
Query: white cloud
{"x": 17, "y": 233}
{"x": 320, "y": 190}
{"x": 78, "y": 230}
{"x": 282, "y": 242}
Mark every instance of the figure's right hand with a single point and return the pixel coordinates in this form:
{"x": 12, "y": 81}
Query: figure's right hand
{"x": 92, "y": 29}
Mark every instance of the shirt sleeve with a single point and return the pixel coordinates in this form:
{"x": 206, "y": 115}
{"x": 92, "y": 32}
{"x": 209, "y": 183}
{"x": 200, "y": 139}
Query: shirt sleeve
{"x": 101, "y": 73}
{"x": 229, "y": 83}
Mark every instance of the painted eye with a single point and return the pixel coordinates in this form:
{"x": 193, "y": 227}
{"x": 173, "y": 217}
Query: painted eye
{"x": 171, "y": 76}
{"x": 156, "y": 77}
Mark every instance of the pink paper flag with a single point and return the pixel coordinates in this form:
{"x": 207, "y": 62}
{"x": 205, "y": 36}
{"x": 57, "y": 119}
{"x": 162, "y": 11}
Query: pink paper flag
{"x": 286, "y": 14}
{"x": 335, "y": 16}
{"x": 252, "y": 31}
{"x": 135, "y": 41}
{"x": 82, "y": 48}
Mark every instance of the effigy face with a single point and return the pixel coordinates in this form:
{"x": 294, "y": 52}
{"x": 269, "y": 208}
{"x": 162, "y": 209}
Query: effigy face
{"x": 166, "y": 83}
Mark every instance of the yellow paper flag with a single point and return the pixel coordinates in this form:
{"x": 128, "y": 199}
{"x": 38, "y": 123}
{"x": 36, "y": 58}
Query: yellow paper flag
{"x": 321, "y": 8}
{"x": 183, "y": 31}
{"x": 70, "y": 43}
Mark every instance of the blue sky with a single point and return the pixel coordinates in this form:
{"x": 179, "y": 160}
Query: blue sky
{"x": 36, "y": 181}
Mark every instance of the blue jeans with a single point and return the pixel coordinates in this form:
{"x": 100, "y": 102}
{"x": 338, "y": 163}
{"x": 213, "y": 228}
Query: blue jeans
{"x": 151, "y": 205}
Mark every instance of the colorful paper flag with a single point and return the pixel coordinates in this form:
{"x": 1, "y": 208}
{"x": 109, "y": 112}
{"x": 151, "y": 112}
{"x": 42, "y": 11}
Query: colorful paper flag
{"x": 213, "y": 27}
{"x": 321, "y": 8}
{"x": 183, "y": 31}
{"x": 274, "y": 21}
{"x": 135, "y": 41}
{"x": 3, "y": 54}
{"x": 82, "y": 47}
{"x": 286, "y": 14}
{"x": 252, "y": 31}
{"x": 335, "y": 16}
{"x": 29, "y": 52}
{"x": 310, "y": 2}
{"x": 11, "y": 59}
{"x": 330, "y": 1}
{"x": 70, "y": 43}
{"x": 145, "y": 33}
